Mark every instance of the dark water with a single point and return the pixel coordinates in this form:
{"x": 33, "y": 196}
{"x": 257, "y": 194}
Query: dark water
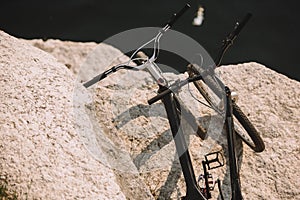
{"x": 270, "y": 37}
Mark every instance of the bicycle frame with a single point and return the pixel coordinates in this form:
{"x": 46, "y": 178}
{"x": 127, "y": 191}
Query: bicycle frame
{"x": 173, "y": 109}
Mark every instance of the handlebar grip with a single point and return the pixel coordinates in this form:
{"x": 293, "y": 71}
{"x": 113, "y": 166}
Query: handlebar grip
{"x": 176, "y": 16}
{"x": 159, "y": 96}
{"x": 240, "y": 25}
{"x": 95, "y": 80}
{"x": 104, "y": 74}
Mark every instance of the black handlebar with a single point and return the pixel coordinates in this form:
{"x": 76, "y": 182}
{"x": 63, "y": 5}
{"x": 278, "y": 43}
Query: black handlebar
{"x": 104, "y": 75}
{"x": 239, "y": 26}
{"x": 95, "y": 80}
{"x": 230, "y": 38}
{"x": 91, "y": 82}
{"x": 176, "y": 16}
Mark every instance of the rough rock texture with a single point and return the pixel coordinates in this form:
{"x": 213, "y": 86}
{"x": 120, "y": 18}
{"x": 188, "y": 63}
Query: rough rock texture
{"x": 67, "y": 53}
{"x": 135, "y": 137}
{"x": 42, "y": 156}
{"x": 271, "y": 101}
{"x": 75, "y": 54}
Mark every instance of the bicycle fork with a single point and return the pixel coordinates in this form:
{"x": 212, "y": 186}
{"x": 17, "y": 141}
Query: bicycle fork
{"x": 236, "y": 193}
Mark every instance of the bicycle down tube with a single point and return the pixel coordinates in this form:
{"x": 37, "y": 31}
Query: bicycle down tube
{"x": 192, "y": 190}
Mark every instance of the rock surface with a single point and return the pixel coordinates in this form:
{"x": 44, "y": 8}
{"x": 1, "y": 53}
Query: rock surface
{"x": 271, "y": 100}
{"x": 123, "y": 127}
{"x": 42, "y": 156}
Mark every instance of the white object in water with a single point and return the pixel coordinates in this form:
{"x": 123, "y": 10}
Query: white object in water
{"x": 199, "y": 18}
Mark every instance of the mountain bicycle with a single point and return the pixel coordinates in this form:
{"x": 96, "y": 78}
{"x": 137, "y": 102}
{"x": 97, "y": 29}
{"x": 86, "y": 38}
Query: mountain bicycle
{"x": 174, "y": 110}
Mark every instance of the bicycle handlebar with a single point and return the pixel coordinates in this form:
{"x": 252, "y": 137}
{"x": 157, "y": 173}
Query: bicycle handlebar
{"x": 228, "y": 41}
{"x": 104, "y": 74}
{"x": 176, "y": 16}
{"x": 240, "y": 25}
